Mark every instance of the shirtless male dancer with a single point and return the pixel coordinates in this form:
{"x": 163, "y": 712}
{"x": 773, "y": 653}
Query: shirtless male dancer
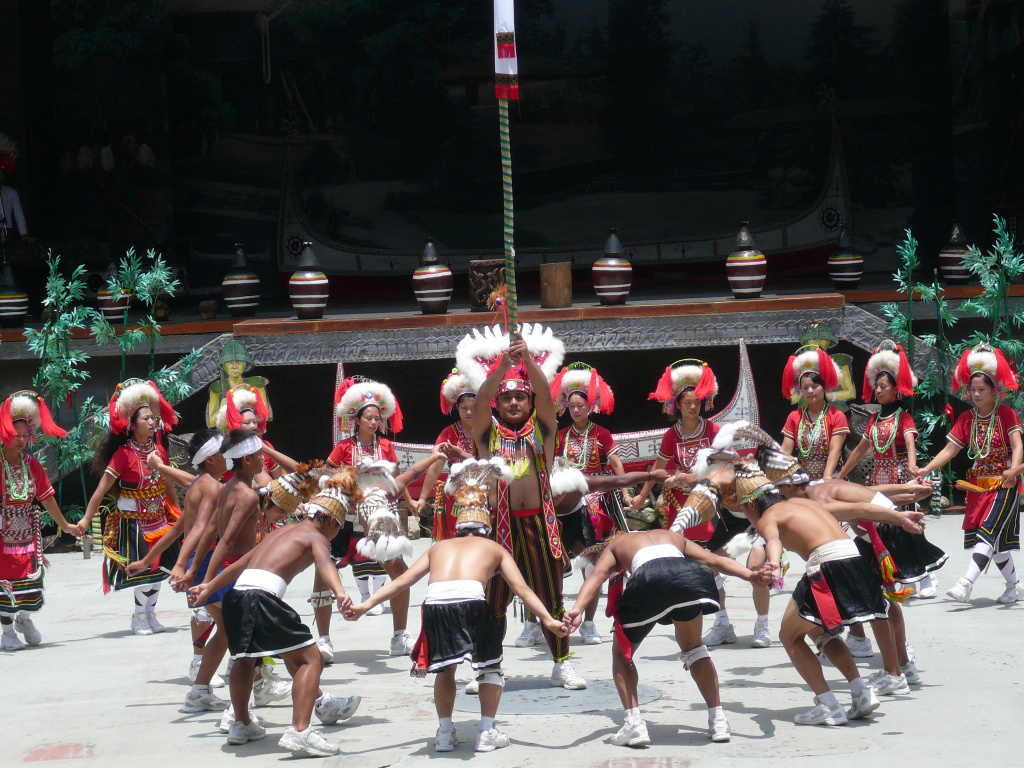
{"x": 458, "y": 624}
{"x": 670, "y": 582}
{"x": 837, "y": 589}
{"x": 259, "y": 623}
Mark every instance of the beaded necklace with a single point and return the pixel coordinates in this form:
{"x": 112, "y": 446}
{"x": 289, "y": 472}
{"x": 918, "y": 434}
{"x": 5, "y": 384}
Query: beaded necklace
{"x": 805, "y": 442}
{"x": 17, "y": 490}
{"x": 578, "y": 450}
{"x": 696, "y": 433}
{"x": 976, "y": 449}
{"x": 891, "y": 438}
{"x": 358, "y": 453}
{"x": 510, "y": 444}
{"x": 141, "y": 451}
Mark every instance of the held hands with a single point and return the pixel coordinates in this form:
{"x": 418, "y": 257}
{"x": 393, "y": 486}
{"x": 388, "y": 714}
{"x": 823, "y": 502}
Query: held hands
{"x": 1009, "y": 478}
{"x": 180, "y": 581}
{"x": 199, "y": 595}
{"x": 344, "y": 603}
{"x": 571, "y": 620}
{"x": 637, "y": 502}
{"x": 453, "y": 453}
{"x": 354, "y": 611}
{"x": 555, "y": 626}
{"x": 516, "y": 351}
{"x": 416, "y": 506}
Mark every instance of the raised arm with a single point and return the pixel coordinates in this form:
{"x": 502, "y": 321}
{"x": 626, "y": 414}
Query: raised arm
{"x": 860, "y": 510}
{"x": 543, "y": 403}
{"x": 410, "y": 475}
{"x": 287, "y": 463}
{"x": 482, "y": 417}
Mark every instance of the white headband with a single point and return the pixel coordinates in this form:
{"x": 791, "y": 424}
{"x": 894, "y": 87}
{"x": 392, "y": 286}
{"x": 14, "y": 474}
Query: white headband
{"x": 247, "y": 447}
{"x": 209, "y": 448}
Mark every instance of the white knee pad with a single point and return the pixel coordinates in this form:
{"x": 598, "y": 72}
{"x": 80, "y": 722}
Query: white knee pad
{"x": 491, "y": 677}
{"x": 719, "y": 581}
{"x": 320, "y": 599}
{"x": 692, "y": 656}
{"x": 201, "y": 615}
{"x": 983, "y": 548}
{"x": 824, "y": 639}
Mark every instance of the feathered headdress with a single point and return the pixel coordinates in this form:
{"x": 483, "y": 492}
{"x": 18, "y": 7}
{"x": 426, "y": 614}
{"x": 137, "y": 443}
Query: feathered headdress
{"x": 565, "y": 478}
{"x": 133, "y": 394}
{"x": 340, "y": 491}
{"x": 721, "y": 452}
{"x": 383, "y": 539}
{"x": 478, "y": 354}
{"x": 356, "y": 393}
{"x": 989, "y": 361}
{"x": 751, "y": 482}
{"x": 28, "y": 406}
{"x": 683, "y": 375}
{"x": 890, "y": 358}
{"x": 778, "y": 467}
{"x": 294, "y": 488}
{"x": 244, "y": 397}
{"x": 580, "y": 378}
{"x": 809, "y": 359}
{"x": 455, "y": 385}
{"x": 470, "y": 482}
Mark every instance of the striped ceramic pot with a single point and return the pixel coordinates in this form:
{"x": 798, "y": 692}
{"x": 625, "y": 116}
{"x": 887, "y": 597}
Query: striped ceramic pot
{"x": 112, "y": 309}
{"x": 241, "y": 287}
{"x": 845, "y": 265}
{"x": 746, "y": 267}
{"x": 13, "y": 302}
{"x": 432, "y": 283}
{"x": 308, "y": 287}
{"x": 953, "y": 258}
{"x": 612, "y": 273}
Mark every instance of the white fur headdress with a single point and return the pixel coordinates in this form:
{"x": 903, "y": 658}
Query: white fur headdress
{"x": 809, "y": 359}
{"x": 684, "y": 374}
{"x": 354, "y": 394}
{"x": 470, "y": 483}
{"x": 889, "y": 358}
{"x": 133, "y": 394}
{"x": 585, "y": 380}
{"x": 479, "y": 353}
{"x": 455, "y": 385}
{"x": 28, "y": 406}
{"x": 244, "y": 397}
{"x": 987, "y": 360}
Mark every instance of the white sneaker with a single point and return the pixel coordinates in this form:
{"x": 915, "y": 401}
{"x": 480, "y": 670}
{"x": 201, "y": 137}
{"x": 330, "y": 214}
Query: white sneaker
{"x": 719, "y": 634}
{"x": 488, "y": 741}
{"x": 589, "y": 633}
{"x": 532, "y": 634}
{"x": 309, "y": 741}
{"x": 228, "y": 718}
{"x": 631, "y": 735}
{"x": 1011, "y": 595}
{"x": 719, "y": 730}
{"x": 11, "y": 642}
{"x": 860, "y": 647}
{"x": 139, "y": 624}
{"x": 240, "y": 733}
{"x": 333, "y": 709}
{"x": 193, "y": 672}
{"x": 24, "y": 625}
{"x": 155, "y": 625}
{"x": 473, "y": 687}
{"x": 217, "y": 681}
{"x": 326, "y": 649}
{"x": 402, "y": 644}
{"x": 564, "y": 676}
{"x": 961, "y": 591}
{"x": 910, "y": 672}
{"x": 445, "y": 741}
{"x": 819, "y": 714}
{"x": 202, "y": 701}
{"x": 911, "y": 656}
{"x": 863, "y": 704}
{"x": 926, "y": 588}
{"x": 762, "y": 637}
{"x": 377, "y": 610}
{"x": 885, "y": 684}
{"x": 266, "y": 692}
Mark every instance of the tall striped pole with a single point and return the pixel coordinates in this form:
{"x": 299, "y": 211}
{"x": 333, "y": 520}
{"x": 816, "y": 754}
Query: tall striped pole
{"x": 509, "y": 216}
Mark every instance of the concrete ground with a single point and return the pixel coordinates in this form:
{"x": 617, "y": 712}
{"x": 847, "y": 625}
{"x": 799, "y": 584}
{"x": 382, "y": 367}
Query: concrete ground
{"x": 93, "y": 691}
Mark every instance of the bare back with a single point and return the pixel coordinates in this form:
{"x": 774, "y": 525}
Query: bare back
{"x": 839, "y": 490}
{"x": 624, "y": 548}
{"x": 290, "y": 550}
{"x": 465, "y": 558}
{"x": 205, "y": 487}
{"x": 803, "y": 525}
{"x": 238, "y": 510}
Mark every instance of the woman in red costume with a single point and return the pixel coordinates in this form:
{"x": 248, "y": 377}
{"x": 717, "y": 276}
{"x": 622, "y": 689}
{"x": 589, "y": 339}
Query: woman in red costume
{"x": 22, "y": 416}
{"x": 456, "y": 395}
{"x": 816, "y": 430}
{"x": 147, "y": 507}
{"x": 992, "y": 435}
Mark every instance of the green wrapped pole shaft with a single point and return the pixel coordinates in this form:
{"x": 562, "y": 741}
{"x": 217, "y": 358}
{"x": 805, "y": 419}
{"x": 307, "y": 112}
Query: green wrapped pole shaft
{"x": 508, "y": 219}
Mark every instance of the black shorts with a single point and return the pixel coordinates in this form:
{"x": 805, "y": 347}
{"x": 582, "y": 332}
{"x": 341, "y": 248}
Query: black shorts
{"x": 855, "y": 586}
{"x": 259, "y": 623}
{"x": 577, "y": 526}
{"x": 455, "y": 632}
{"x": 727, "y": 527}
{"x": 665, "y": 590}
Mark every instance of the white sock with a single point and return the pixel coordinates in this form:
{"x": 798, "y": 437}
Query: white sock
{"x": 715, "y": 714}
{"x": 197, "y": 657}
{"x": 364, "y": 587}
{"x": 762, "y": 618}
{"x": 486, "y": 723}
{"x": 322, "y": 637}
{"x": 397, "y": 632}
{"x": 197, "y": 689}
{"x": 722, "y": 618}
{"x": 153, "y": 593}
{"x": 829, "y": 699}
{"x": 446, "y": 725}
{"x": 378, "y": 582}
{"x": 632, "y": 715}
{"x": 8, "y": 624}
{"x": 857, "y": 685}
{"x": 1004, "y": 562}
{"x": 141, "y": 599}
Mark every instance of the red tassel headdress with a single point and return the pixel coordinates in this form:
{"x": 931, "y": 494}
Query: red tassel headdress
{"x": 582, "y": 379}
{"x": 889, "y": 358}
{"x": 454, "y": 386}
{"x": 989, "y": 361}
{"x": 809, "y": 359}
{"x": 28, "y": 406}
{"x": 244, "y": 397}
{"x": 356, "y": 393}
{"x": 133, "y": 394}
{"x": 683, "y": 375}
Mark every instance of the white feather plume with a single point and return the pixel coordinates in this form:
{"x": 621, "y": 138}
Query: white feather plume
{"x": 727, "y": 432}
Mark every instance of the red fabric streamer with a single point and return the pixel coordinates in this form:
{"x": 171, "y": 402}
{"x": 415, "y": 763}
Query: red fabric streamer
{"x": 556, "y": 385}
{"x": 827, "y": 370}
{"x": 663, "y": 393}
{"x": 831, "y": 621}
{"x": 1004, "y": 374}
{"x": 789, "y": 378}
{"x": 592, "y": 389}
{"x": 507, "y": 92}
{"x": 950, "y": 413}
{"x": 167, "y": 415}
{"x": 7, "y": 430}
{"x": 706, "y": 386}
{"x": 46, "y": 422}
{"x": 962, "y": 374}
{"x": 905, "y": 376}
{"x": 396, "y": 420}
{"x": 607, "y": 398}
